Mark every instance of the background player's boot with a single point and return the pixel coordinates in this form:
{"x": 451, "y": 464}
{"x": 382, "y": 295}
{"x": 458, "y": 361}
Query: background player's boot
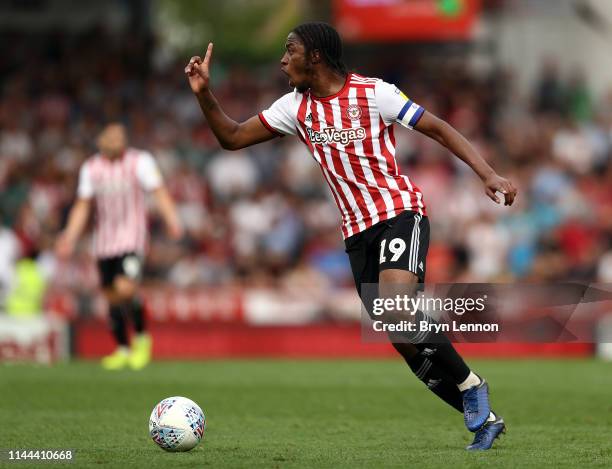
{"x": 476, "y": 406}
{"x": 116, "y": 360}
{"x": 141, "y": 351}
{"x": 486, "y": 435}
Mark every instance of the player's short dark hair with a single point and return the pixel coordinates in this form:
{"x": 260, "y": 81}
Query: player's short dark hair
{"x": 324, "y": 38}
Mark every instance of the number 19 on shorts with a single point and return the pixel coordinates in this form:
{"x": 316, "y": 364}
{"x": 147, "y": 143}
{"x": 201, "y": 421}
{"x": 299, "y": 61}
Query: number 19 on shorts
{"x": 396, "y": 248}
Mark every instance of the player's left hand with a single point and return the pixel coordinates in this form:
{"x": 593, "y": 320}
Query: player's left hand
{"x": 496, "y": 183}
{"x": 175, "y": 231}
{"x": 64, "y": 246}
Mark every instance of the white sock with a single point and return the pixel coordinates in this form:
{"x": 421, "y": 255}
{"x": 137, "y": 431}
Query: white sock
{"x": 123, "y": 350}
{"x": 492, "y": 417}
{"x": 470, "y": 381}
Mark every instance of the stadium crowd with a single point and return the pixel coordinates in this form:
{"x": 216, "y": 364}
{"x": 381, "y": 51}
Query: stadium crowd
{"x": 264, "y": 216}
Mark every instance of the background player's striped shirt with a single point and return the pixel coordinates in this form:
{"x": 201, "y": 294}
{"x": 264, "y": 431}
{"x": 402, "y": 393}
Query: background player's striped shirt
{"x": 118, "y": 188}
{"x": 350, "y": 135}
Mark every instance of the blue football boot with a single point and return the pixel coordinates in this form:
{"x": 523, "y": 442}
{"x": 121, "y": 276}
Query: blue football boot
{"x": 476, "y": 406}
{"x": 486, "y": 435}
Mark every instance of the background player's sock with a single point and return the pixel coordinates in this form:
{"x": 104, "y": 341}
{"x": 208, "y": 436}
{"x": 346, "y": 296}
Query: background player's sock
{"x": 118, "y": 325}
{"x": 136, "y": 310}
{"x": 436, "y": 380}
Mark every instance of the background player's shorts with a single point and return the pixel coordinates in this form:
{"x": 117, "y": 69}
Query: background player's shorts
{"x": 398, "y": 243}
{"x": 129, "y": 265}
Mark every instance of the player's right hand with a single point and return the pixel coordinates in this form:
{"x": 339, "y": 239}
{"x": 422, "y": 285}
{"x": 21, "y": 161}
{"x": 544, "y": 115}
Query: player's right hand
{"x": 198, "y": 71}
{"x": 64, "y": 247}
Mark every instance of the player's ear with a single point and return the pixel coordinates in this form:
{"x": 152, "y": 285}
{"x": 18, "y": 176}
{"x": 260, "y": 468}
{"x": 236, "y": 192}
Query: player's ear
{"x": 315, "y": 56}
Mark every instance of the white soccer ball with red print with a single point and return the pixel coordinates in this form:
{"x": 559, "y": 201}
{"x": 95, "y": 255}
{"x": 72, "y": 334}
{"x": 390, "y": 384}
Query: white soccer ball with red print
{"x": 177, "y": 424}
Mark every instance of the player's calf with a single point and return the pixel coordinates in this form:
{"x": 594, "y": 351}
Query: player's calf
{"x": 436, "y": 380}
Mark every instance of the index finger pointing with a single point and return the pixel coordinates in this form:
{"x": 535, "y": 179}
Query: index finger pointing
{"x": 208, "y": 53}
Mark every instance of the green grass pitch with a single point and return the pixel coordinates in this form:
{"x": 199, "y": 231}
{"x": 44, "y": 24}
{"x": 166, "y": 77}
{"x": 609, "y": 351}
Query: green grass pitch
{"x": 268, "y": 413}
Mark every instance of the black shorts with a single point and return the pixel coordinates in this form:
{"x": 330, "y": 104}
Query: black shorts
{"x": 400, "y": 242}
{"x": 129, "y": 265}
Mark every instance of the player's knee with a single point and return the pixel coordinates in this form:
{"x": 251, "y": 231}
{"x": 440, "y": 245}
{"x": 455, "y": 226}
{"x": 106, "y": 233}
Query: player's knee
{"x": 398, "y": 279}
{"x": 394, "y": 282}
{"x": 124, "y": 288}
{"x": 110, "y": 295}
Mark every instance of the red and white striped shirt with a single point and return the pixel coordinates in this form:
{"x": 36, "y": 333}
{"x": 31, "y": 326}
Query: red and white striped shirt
{"x": 118, "y": 188}
{"x": 350, "y": 135}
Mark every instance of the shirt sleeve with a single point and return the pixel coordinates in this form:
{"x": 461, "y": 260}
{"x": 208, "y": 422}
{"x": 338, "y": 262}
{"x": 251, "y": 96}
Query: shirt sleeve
{"x": 395, "y": 106}
{"x": 147, "y": 172}
{"x": 281, "y": 117}
{"x": 85, "y": 188}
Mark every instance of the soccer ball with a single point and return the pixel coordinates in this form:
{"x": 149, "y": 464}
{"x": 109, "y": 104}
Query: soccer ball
{"x": 177, "y": 424}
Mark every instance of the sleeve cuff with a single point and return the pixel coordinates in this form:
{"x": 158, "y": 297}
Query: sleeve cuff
{"x": 417, "y": 116}
{"x": 268, "y": 126}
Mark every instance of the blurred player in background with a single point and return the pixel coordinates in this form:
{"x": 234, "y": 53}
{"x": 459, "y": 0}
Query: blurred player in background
{"x": 116, "y": 178}
{"x": 346, "y": 120}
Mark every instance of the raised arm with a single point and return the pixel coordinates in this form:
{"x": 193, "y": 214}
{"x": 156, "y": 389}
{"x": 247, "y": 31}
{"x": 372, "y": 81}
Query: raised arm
{"x": 231, "y": 135}
{"x": 447, "y": 136}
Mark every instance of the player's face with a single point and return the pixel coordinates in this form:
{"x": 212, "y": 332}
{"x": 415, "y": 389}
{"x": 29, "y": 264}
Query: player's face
{"x": 295, "y": 64}
{"x": 112, "y": 141}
